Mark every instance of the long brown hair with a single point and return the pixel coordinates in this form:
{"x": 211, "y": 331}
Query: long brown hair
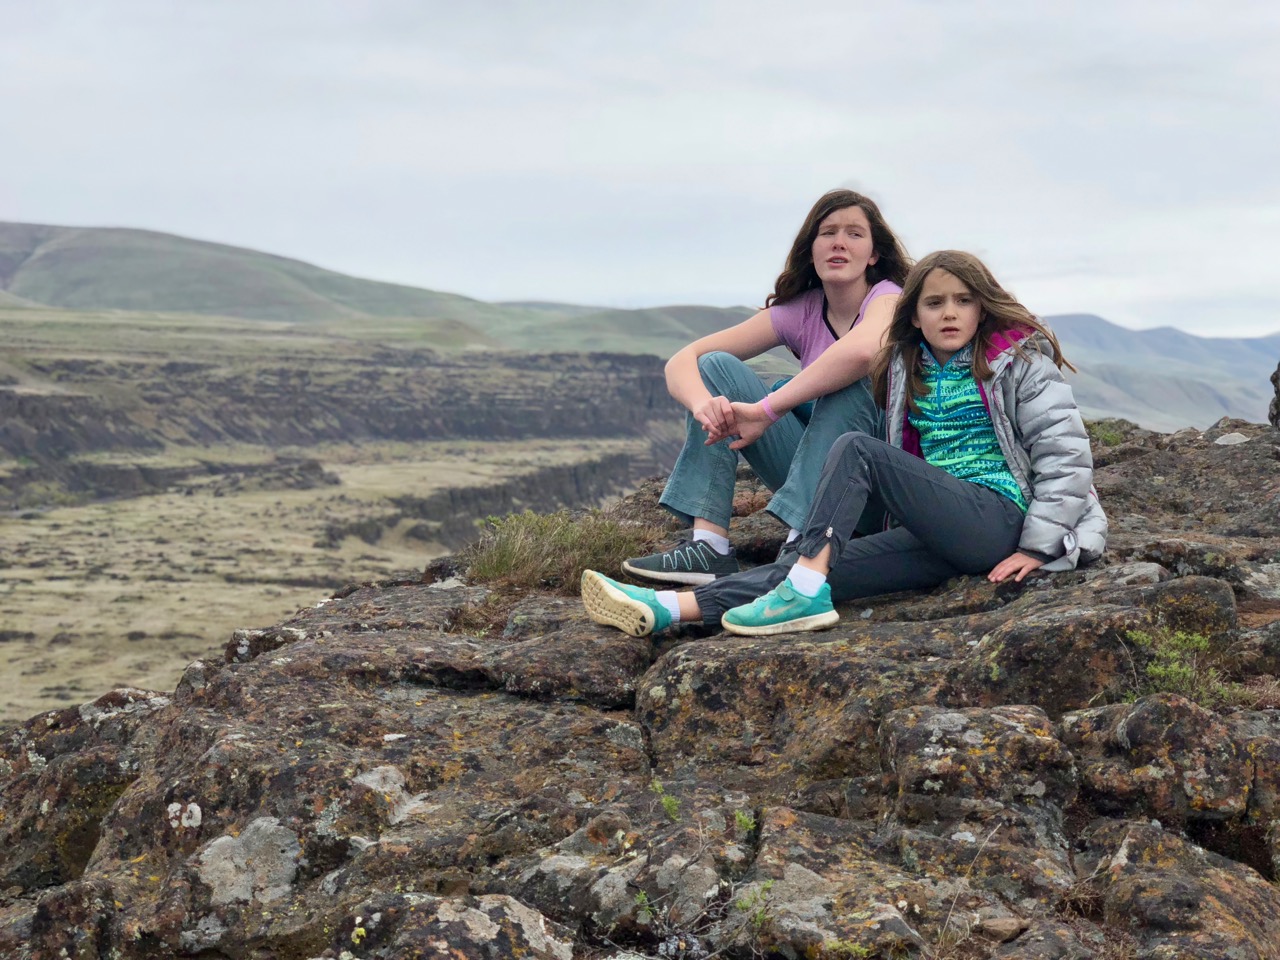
{"x": 799, "y": 274}
{"x": 1000, "y": 313}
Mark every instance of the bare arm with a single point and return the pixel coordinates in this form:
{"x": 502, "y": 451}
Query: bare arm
{"x": 846, "y": 361}
{"x": 750, "y": 338}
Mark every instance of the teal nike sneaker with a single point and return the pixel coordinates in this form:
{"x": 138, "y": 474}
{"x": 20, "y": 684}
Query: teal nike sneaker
{"x": 633, "y": 610}
{"x": 782, "y": 610}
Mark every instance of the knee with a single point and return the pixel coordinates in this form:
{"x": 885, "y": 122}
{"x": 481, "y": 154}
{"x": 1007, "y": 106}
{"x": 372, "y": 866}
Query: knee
{"x": 854, "y": 442}
{"x": 848, "y": 450}
{"x": 715, "y": 363}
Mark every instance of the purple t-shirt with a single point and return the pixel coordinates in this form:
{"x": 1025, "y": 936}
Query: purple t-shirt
{"x": 801, "y": 327}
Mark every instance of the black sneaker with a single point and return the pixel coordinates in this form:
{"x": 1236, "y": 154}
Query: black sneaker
{"x": 691, "y": 562}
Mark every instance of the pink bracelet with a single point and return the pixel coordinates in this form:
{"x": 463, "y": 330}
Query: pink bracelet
{"x": 767, "y": 407}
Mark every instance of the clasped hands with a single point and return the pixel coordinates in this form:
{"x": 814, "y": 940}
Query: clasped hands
{"x": 721, "y": 418}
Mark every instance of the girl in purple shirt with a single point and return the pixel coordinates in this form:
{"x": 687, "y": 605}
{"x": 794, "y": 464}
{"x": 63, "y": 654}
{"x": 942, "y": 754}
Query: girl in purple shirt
{"x": 830, "y": 307}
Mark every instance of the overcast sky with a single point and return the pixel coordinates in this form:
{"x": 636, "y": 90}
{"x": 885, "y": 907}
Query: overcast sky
{"x": 1114, "y": 158}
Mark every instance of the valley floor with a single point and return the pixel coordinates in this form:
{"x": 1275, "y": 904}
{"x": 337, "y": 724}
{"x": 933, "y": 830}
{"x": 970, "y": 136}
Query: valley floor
{"x": 128, "y": 592}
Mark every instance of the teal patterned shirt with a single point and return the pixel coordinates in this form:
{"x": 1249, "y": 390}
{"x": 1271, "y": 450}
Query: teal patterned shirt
{"x": 955, "y": 429}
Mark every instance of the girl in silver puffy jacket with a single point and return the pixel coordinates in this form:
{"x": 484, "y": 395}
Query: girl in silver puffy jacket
{"x": 986, "y": 469}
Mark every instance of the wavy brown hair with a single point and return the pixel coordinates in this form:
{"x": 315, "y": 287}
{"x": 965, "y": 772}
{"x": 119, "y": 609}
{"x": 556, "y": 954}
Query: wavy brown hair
{"x": 799, "y": 274}
{"x": 1000, "y": 313}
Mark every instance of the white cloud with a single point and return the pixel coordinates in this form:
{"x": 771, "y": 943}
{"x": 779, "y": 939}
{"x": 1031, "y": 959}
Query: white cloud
{"x": 1116, "y": 158}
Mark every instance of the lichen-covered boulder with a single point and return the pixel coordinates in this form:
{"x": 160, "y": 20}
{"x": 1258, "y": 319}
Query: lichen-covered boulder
{"x": 392, "y": 926}
{"x": 974, "y": 771}
{"x": 1163, "y": 757}
{"x": 1176, "y": 899}
{"x": 60, "y": 775}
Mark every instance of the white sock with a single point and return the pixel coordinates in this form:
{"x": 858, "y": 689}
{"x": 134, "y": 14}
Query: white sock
{"x": 671, "y": 600}
{"x": 805, "y": 581}
{"x": 793, "y": 535}
{"x": 718, "y": 543}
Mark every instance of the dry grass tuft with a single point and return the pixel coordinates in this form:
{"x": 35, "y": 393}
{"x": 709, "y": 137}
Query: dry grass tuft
{"x": 550, "y": 550}
{"x": 1258, "y": 693}
{"x": 488, "y": 617}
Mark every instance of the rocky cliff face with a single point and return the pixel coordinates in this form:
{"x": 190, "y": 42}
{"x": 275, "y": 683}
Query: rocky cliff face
{"x": 401, "y": 395}
{"x": 449, "y": 516}
{"x": 979, "y": 771}
{"x": 94, "y": 406}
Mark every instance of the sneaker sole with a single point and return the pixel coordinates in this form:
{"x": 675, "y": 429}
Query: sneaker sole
{"x": 613, "y": 608}
{"x": 689, "y": 579}
{"x": 819, "y": 621}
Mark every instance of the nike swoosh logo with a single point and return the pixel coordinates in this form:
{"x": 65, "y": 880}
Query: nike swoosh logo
{"x": 772, "y": 609}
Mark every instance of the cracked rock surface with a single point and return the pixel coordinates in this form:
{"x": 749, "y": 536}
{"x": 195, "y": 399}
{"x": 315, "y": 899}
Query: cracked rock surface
{"x": 973, "y": 772}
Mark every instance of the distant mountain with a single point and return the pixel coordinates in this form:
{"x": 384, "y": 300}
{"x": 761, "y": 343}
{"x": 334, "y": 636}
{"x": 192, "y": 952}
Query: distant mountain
{"x": 549, "y": 306}
{"x": 659, "y": 330}
{"x": 1163, "y": 379}
{"x": 9, "y": 300}
{"x": 1166, "y": 348}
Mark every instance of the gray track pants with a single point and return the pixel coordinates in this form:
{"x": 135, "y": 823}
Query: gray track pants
{"x": 947, "y": 527}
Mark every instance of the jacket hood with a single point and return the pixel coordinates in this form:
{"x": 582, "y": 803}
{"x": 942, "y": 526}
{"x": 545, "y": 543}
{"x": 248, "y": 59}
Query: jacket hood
{"x": 1001, "y": 349}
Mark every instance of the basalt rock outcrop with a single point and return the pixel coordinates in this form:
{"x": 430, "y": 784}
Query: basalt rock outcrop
{"x": 977, "y": 771}
{"x": 84, "y": 407}
{"x": 1274, "y": 412}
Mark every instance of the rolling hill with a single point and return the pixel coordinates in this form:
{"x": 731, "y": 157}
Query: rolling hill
{"x": 121, "y": 269}
{"x": 1163, "y": 379}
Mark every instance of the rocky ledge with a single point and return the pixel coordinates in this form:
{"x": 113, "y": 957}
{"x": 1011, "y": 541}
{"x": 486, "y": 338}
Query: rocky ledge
{"x": 974, "y": 772}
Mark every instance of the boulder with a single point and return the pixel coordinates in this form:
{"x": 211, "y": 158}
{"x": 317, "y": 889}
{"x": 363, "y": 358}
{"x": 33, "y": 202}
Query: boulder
{"x": 1273, "y": 414}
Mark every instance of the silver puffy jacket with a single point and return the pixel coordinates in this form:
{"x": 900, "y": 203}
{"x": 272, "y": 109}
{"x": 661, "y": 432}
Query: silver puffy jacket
{"x": 1044, "y": 441}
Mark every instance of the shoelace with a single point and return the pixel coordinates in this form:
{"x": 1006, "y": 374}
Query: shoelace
{"x": 694, "y": 548}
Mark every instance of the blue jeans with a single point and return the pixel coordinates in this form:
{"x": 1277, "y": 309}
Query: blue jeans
{"x": 788, "y": 458}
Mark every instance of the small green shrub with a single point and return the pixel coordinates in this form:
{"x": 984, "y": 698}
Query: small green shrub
{"x": 1109, "y": 431}
{"x": 1183, "y": 663}
{"x": 1104, "y": 436}
{"x": 670, "y": 804}
{"x": 755, "y": 908}
{"x": 745, "y": 821}
{"x": 552, "y": 549}
{"x": 644, "y": 909}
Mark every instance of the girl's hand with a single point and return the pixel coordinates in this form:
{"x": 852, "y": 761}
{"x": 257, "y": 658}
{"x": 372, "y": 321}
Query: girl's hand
{"x": 751, "y": 421}
{"x": 717, "y": 419}
{"x": 1016, "y": 566}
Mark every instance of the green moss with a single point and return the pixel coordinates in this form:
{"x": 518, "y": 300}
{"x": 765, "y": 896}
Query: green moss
{"x": 844, "y": 948}
{"x": 1110, "y": 431}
